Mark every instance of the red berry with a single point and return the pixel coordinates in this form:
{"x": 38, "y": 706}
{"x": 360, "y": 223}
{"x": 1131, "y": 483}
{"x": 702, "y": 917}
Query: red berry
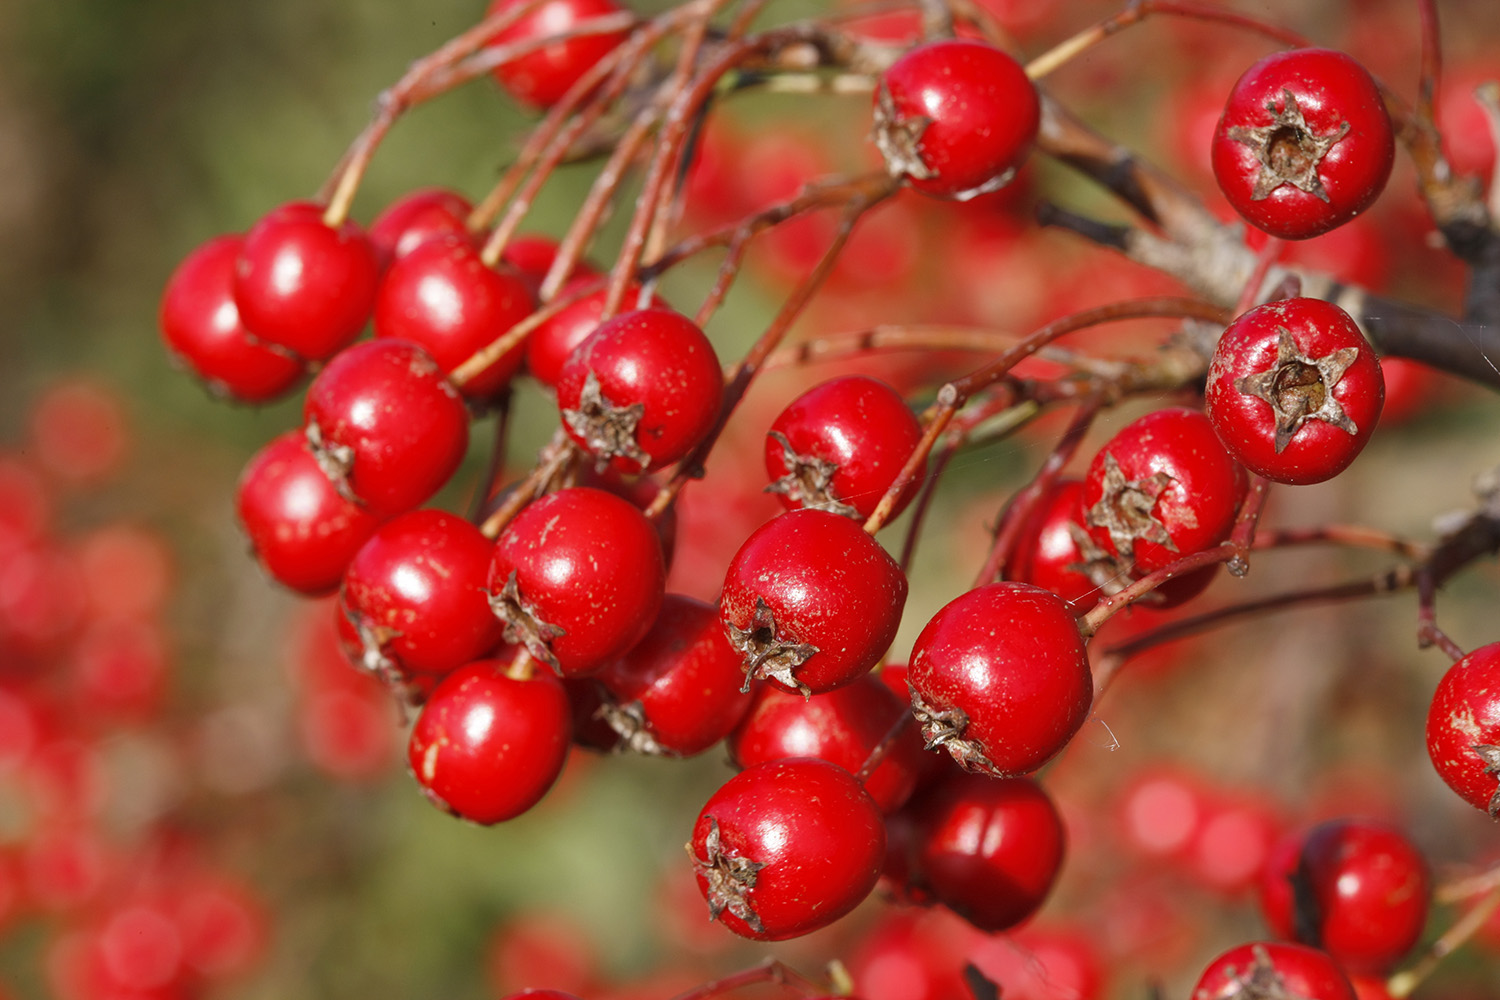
{"x": 955, "y": 118}
{"x": 415, "y": 218}
{"x": 1272, "y": 969}
{"x": 1304, "y": 143}
{"x": 1463, "y": 728}
{"x": 201, "y": 326}
{"x": 1000, "y": 678}
{"x": 1358, "y": 889}
{"x": 840, "y": 445}
{"x": 303, "y": 285}
{"x": 578, "y": 578}
{"x": 1055, "y": 552}
{"x": 811, "y": 601}
{"x": 786, "y": 847}
{"x": 541, "y": 78}
{"x": 1162, "y": 488}
{"x": 387, "y": 427}
{"x": 1294, "y": 390}
{"x": 550, "y": 345}
{"x": 642, "y": 390}
{"x": 488, "y": 746}
{"x": 415, "y": 591}
{"x": 989, "y": 849}
{"x": 442, "y": 296}
{"x": 302, "y": 531}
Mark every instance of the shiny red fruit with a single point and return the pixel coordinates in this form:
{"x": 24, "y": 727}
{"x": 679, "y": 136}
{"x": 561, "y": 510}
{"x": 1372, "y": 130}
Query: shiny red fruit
{"x": 1051, "y": 553}
{"x": 541, "y": 78}
{"x": 1463, "y": 728}
{"x": 486, "y": 746}
{"x": 811, "y": 601}
{"x": 786, "y": 847}
{"x": 1273, "y": 969}
{"x": 416, "y": 217}
{"x": 549, "y": 346}
{"x": 1000, "y": 678}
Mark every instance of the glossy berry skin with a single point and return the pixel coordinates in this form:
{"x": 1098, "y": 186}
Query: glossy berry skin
{"x": 786, "y": 847}
{"x": 641, "y": 390}
{"x": 388, "y": 426}
{"x": 1000, "y": 678}
{"x": 1049, "y": 553}
{"x": 989, "y": 849}
{"x": 578, "y": 578}
{"x": 541, "y": 78}
{"x": 840, "y": 445}
{"x": 416, "y": 589}
{"x": 811, "y": 601}
{"x": 1463, "y": 728}
{"x": 416, "y": 217}
{"x": 1365, "y": 892}
{"x": 955, "y": 118}
{"x": 486, "y": 746}
{"x": 1304, "y": 144}
{"x": 677, "y": 692}
{"x": 842, "y": 727}
{"x": 442, "y": 296}
{"x": 1273, "y": 969}
{"x": 302, "y": 531}
{"x": 1162, "y": 488}
{"x": 201, "y": 326}
{"x": 550, "y": 345}
{"x": 303, "y": 285}
{"x": 1294, "y": 390}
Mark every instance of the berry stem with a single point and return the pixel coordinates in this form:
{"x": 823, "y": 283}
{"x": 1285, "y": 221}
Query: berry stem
{"x": 924, "y": 500}
{"x": 1242, "y": 537}
{"x": 1428, "y": 633}
{"x": 556, "y": 457}
{"x": 1403, "y": 983}
{"x": 880, "y": 750}
{"x": 476, "y": 363}
{"x": 490, "y": 482}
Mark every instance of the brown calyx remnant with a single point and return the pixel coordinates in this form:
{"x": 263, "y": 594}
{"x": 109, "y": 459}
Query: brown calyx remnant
{"x": 336, "y": 460}
{"x": 1261, "y": 981}
{"x": 1299, "y": 388}
{"x": 766, "y": 654}
{"x": 629, "y": 722}
{"x": 1491, "y": 757}
{"x": 1287, "y": 149}
{"x": 899, "y": 138}
{"x": 808, "y": 480}
{"x": 607, "y": 430}
{"x": 945, "y": 727}
{"x": 1125, "y": 508}
{"x": 522, "y": 626}
{"x": 730, "y": 879}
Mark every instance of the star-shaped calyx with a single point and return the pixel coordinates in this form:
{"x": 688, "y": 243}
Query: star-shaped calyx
{"x": 899, "y": 137}
{"x": 808, "y": 480}
{"x": 730, "y": 879}
{"x": 374, "y": 660}
{"x": 945, "y": 727}
{"x": 607, "y": 430}
{"x": 1261, "y": 981}
{"x": 629, "y": 722}
{"x": 1491, "y": 757}
{"x": 336, "y": 460}
{"x": 1287, "y": 149}
{"x": 1299, "y": 388}
{"x": 522, "y": 626}
{"x": 766, "y": 653}
{"x": 1126, "y": 508}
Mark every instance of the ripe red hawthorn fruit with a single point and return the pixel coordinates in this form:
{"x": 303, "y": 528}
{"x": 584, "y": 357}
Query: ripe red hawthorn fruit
{"x": 1304, "y": 143}
{"x": 641, "y": 390}
{"x": 1273, "y": 969}
{"x": 415, "y": 591}
{"x": 842, "y": 727}
{"x": 386, "y": 426}
{"x": 811, "y": 601}
{"x": 1162, "y": 488}
{"x": 487, "y": 746}
{"x": 955, "y": 118}
{"x": 786, "y": 847}
{"x": 301, "y": 530}
{"x": 549, "y": 346}
{"x": 541, "y": 78}
{"x": 1000, "y": 678}
{"x": 201, "y": 327}
{"x": 1358, "y": 889}
{"x": 840, "y": 445}
{"x": 989, "y": 849}
{"x": 442, "y": 296}
{"x": 303, "y": 285}
{"x": 577, "y": 578}
{"x": 1055, "y": 552}
{"x": 1294, "y": 390}
{"x": 1463, "y": 728}
{"x": 416, "y": 217}
{"x": 677, "y": 692}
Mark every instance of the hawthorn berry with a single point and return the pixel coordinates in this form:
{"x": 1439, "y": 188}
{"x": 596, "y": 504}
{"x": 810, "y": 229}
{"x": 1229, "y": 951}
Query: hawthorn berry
{"x": 1304, "y": 144}
{"x": 1463, "y": 728}
{"x": 1273, "y": 970}
{"x": 385, "y": 424}
{"x": 811, "y": 601}
{"x": 786, "y": 847}
{"x": 201, "y": 326}
{"x": 540, "y": 78}
{"x": 840, "y": 445}
{"x": 1056, "y": 553}
{"x": 577, "y": 578}
{"x": 999, "y": 677}
{"x": 487, "y": 746}
{"x": 955, "y": 118}
{"x": 1294, "y": 390}
{"x": 549, "y": 346}
{"x": 641, "y": 390}
{"x": 1358, "y": 889}
{"x": 415, "y": 218}
{"x": 304, "y": 285}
